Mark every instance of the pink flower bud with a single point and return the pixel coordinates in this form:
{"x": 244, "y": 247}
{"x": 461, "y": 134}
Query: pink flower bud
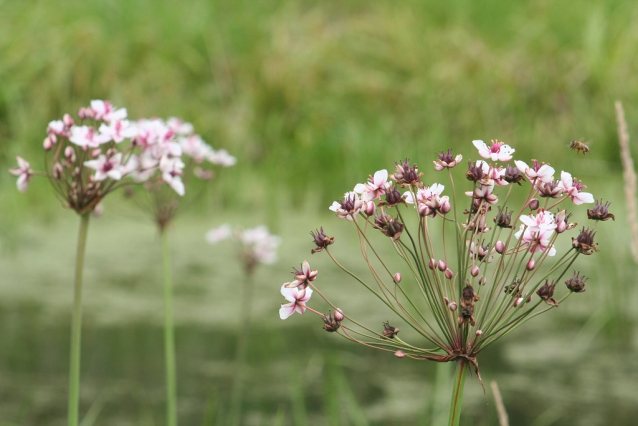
{"x": 529, "y": 299}
{"x": 533, "y": 204}
{"x": 500, "y": 247}
{"x": 442, "y": 265}
{"x": 98, "y": 210}
{"x": 432, "y": 264}
{"x": 479, "y": 332}
{"x": 518, "y": 301}
{"x": 399, "y": 354}
{"x": 49, "y": 141}
{"x": 96, "y": 152}
{"x": 531, "y": 264}
{"x": 449, "y": 274}
{"x": 452, "y": 306}
{"x": 474, "y": 271}
{"x": 446, "y": 207}
{"x": 561, "y": 227}
{"x": 397, "y": 277}
{"x": 68, "y": 120}
{"x": 338, "y": 315}
{"x": 57, "y": 171}
{"x": 447, "y": 301}
{"x": 371, "y": 208}
{"x": 481, "y": 280}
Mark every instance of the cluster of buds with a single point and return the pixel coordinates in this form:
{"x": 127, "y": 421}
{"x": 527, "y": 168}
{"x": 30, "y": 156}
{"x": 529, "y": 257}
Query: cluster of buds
{"x": 101, "y": 150}
{"x": 474, "y": 302}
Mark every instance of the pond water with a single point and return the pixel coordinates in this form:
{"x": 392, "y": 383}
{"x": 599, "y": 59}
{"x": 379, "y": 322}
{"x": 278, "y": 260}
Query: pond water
{"x": 575, "y": 365}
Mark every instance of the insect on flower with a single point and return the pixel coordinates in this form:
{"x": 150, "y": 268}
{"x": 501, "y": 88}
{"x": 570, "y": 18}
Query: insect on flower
{"x": 578, "y": 147}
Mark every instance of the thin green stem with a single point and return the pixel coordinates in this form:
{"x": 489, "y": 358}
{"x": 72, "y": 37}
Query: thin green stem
{"x": 457, "y": 393}
{"x": 76, "y": 326}
{"x": 169, "y": 334}
{"x": 242, "y": 347}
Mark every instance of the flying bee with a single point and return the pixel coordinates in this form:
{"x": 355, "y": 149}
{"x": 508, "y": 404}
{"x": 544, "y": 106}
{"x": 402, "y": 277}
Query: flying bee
{"x": 578, "y": 147}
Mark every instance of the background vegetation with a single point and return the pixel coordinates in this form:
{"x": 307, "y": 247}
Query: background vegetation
{"x": 311, "y": 97}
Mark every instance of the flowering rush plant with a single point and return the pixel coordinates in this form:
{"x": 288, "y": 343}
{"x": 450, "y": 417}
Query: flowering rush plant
{"x": 473, "y": 269}
{"x": 257, "y": 246}
{"x": 97, "y": 152}
{"x": 103, "y": 151}
{"x": 188, "y": 155}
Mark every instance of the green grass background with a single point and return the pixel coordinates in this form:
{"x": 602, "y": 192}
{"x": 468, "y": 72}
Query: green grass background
{"x": 311, "y": 97}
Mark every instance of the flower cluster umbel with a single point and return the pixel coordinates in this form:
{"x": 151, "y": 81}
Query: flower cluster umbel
{"x": 100, "y": 150}
{"x": 470, "y": 296}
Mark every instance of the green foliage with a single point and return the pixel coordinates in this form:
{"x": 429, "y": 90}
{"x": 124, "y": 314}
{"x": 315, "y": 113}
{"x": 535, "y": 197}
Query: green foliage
{"x": 312, "y": 95}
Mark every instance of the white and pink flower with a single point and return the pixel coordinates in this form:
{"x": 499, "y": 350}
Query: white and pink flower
{"x": 222, "y": 158}
{"x": 351, "y": 205}
{"x": 195, "y": 147}
{"x": 118, "y": 130}
{"x": 499, "y": 151}
{"x": 543, "y": 172}
{"x": 375, "y": 187}
{"x": 23, "y": 172}
{"x": 537, "y": 231}
{"x": 297, "y": 298}
{"x": 172, "y": 170}
{"x": 572, "y": 187}
{"x": 260, "y": 244}
{"x": 218, "y": 234}
{"x": 105, "y": 111}
{"x": 179, "y": 126}
{"x": 87, "y": 136}
{"x": 106, "y": 166}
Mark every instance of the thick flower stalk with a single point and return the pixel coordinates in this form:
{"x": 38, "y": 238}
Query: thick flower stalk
{"x": 86, "y": 158}
{"x": 467, "y": 271}
{"x": 256, "y": 246}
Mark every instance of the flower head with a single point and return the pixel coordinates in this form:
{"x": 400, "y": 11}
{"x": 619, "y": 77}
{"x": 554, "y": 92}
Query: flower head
{"x": 406, "y": 175}
{"x": 321, "y": 240}
{"x": 446, "y": 161}
{"x": 576, "y": 283}
{"x": 106, "y": 166}
{"x": 23, "y": 172}
{"x": 375, "y": 187}
{"x": 546, "y": 292}
{"x": 499, "y": 151}
{"x": 349, "y": 207}
{"x": 303, "y": 277}
{"x": 585, "y": 241}
{"x": 542, "y": 172}
{"x": 600, "y": 212}
{"x": 572, "y": 188}
{"x": 297, "y": 298}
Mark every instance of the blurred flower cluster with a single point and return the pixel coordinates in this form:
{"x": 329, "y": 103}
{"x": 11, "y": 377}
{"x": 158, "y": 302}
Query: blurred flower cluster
{"x": 257, "y": 245}
{"x": 100, "y": 150}
{"x": 471, "y": 266}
